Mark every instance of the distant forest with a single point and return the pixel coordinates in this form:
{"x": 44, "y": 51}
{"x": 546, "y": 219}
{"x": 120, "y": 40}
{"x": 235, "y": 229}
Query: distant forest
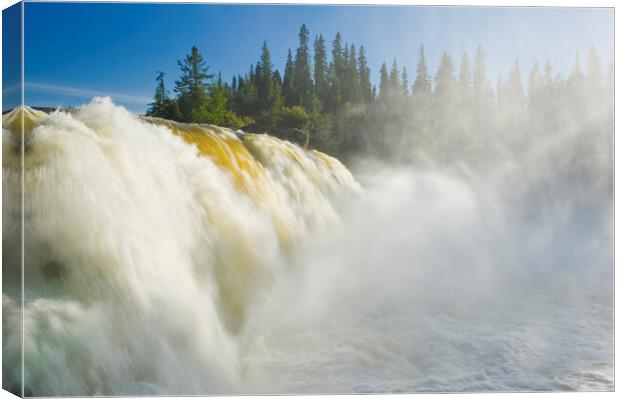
{"x": 450, "y": 115}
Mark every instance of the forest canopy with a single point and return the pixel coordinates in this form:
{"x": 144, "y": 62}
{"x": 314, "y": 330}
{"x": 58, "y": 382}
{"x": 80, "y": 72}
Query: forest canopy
{"x": 328, "y": 94}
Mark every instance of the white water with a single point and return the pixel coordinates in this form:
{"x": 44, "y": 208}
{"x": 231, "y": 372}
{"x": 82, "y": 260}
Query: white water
{"x": 148, "y": 270}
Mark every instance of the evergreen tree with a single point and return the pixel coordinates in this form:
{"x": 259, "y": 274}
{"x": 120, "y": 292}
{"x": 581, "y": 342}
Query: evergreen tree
{"x": 191, "y": 86}
{"x": 576, "y": 78}
{"x": 548, "y": 76}
{"x": 336, "y": 71}
{"x": 265, "y": 82}
{"x": 421, "y": 112}
{"x": 277, "y": 79}
{"x": 499, "y": 89}
{"x": 445, "y": 82}
{"x": 246, "y": 101}
{"x": 345, "y": 64}
{"x": 320, "y": 70}
{"x": 351, "y": 83}
{"x": 445, "y": 103}
{"x": 480, "y": 82}
{"x": 364, "y": 76}
{"x": 535, "y": 89}
{"x": 394, "y": 79}
{"x": 337, "y": 55}
{"x": 515, "y": 87}
{"x": 512, "y": 107}
{"x": 234, "y": 84}
{"x": 465, "y": 80}
{"x": 160, "y": 100}
{"x": 405, "y": 83}
{"x": 334, "y": 102}
{"x": 422, "y": 83}
{"x": 303, "y": 80}
{"x": 384, "y": 82}
{"x": 288, "y": 88}
{"x": 483, "y": 100}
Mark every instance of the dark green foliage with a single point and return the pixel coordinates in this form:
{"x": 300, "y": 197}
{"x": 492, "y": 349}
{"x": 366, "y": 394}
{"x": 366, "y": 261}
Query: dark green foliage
{"x": 334, "y": 103}
{"x": 265, "y": 81}
{"x": 192, "y": 84}
{"x": 365, "y": 90}
{"x": 351, "y": 77}
{"x": 197, "y": 99}
{"x": 293, "y": 118}
{"x": 394, "y": 80}
{"x": 302, "y": 83}
{"x": 405, "y": 83}
{"x": 321, "y": 88}
{"x": 384, "y": 83}
{"x": 162, "y": 105}
{"x": 288, "y": 88}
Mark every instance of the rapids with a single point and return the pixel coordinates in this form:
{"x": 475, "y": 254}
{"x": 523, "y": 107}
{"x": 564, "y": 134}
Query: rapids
{"x": 145, "y": 241}
{"x": 169, "y": 258}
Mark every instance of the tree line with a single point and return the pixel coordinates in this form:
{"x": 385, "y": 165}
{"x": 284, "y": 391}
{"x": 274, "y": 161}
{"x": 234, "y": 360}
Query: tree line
{"x": 451, "y": 115}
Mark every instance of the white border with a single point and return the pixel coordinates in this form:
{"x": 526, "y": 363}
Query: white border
{"x": 518, "y": 3}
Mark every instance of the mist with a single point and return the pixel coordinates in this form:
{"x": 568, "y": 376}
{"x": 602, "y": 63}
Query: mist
{"x": 443, "y": 283}
{"x": 467, "y": 246}
{"x": 479, "y": 256}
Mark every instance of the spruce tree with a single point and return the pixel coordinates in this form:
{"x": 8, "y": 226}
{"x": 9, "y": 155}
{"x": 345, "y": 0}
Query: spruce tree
{"x": 337, "y": 53}
{"x": 351, "y": 81}
{"x": 303, "y": 79}
{"x": 515, "y": 85}
{"x": 288, "y": 89}
{"x": 576, "y": 78}
{"x": 483, "y": 100}
{"x": 265, "y": 80}
{"x": 320, "y": 70}
{"x": 465, "y": 80}
{"x": 247, "y": 95}
{"x": 444, "y": 79}
{"x": 336, "y": 68}
{"x": 576, "y": 86}
{"x": 444, "y": 107}
{"x": 422, "y": 83}
{"x": 535, "y": 89}
{"x": 405, "y": 83}
{"x": 384, "y": 82}
{"x": 337, "y": 56}
{"x": 160, "y": 99}
{"x": 480, "y": 83}
{"x": 364, "y": 76}
{"x": 394, "y": 79}
{"x": 192, "y": 84}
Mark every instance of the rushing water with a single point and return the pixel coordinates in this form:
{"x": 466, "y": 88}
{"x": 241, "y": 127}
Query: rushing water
{"x": 185, "y": 259}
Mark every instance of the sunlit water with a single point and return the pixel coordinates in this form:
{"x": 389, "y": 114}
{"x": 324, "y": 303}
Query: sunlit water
{"x": 185, "y": 259}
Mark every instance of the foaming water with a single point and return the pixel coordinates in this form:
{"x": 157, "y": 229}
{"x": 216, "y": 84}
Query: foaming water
{"x": 436, "y": 285}
{"x": 143, "y": 253}
{"x": 190, "y": 259}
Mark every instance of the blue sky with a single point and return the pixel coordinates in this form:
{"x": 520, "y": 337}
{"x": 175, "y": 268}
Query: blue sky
{"x": 75, "y": 51}
{"x": 11, "y": 56}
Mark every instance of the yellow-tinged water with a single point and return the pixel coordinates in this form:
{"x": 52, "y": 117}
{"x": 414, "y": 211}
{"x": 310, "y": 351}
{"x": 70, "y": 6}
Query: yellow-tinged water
{"x": 253, "y": 159}
{"x": 13, "y": 120}
{"x": 172, "y": 259}
{"x": 142, "y": 224}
